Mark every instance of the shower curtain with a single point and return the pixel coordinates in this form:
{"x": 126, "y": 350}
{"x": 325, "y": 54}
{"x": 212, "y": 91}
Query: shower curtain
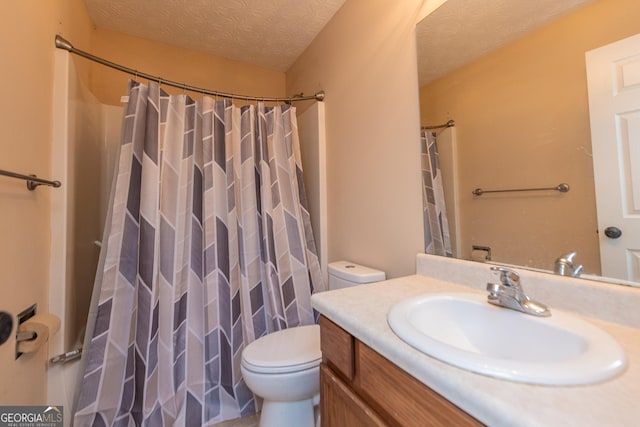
{"x": 208, "y": 247}
{"x": 436, "y": 227}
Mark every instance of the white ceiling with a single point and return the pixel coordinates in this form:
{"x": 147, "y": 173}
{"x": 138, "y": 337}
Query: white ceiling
{"x": 268, "y": 33}
{"x": 461, "y": 31}
{"x": 274, "y": 33}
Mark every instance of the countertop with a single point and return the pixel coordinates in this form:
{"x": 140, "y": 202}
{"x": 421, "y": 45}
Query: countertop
{"x": 362, "y": 311}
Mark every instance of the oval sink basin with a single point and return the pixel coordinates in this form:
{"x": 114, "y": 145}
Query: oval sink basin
{"x": 464, "y": 330}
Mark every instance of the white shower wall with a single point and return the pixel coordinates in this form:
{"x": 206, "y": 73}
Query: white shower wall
{"x": 311, "y": 128}
{"x": 86, "y": 141}
{"x": 448, "y": 156}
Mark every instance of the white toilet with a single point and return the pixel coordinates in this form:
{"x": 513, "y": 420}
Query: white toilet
{"x": 283, "y": 367}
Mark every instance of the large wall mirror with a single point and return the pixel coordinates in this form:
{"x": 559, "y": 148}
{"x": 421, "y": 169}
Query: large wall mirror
{"x": 511, "y": 74}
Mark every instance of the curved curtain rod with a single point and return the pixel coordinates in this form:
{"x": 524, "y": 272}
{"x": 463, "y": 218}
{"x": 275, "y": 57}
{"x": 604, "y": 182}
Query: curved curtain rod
{"x": 449, "y": 124}
{"x": 61, "y": 43}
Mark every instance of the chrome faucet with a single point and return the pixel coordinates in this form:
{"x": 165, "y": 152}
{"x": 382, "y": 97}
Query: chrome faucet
{"x": 509, "y": 293}
{"x": 565, "y": 265}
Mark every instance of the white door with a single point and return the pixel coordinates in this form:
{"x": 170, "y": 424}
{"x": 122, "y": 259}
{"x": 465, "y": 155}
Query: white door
{"x": 613, "y": 75}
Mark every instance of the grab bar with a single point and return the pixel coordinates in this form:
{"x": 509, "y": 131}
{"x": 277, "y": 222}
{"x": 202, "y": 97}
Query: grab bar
{"x": 67, "y": 357}
{"x": 32, "y": 180}
{"x": 563, "y": 188}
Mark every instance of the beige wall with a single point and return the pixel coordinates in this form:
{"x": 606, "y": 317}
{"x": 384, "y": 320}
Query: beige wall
{"x": 26, "y": 42}
{"x": 522, "y": 120}
{"x": 364, "y": 60}
{"x": 177, "y": 64}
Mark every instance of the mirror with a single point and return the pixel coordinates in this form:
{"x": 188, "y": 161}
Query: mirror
{"x": 512, "y": 76}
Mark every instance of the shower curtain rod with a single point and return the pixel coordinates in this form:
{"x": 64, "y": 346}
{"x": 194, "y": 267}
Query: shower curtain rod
{"x": 61, "y": 43}
{"x": 449, "y": 124}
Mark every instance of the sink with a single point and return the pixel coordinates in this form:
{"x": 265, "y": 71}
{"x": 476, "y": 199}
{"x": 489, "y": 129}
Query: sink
{"x": 463, "y": 330}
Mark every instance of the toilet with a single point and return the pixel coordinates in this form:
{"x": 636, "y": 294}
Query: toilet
{"x": 283, "y": 368}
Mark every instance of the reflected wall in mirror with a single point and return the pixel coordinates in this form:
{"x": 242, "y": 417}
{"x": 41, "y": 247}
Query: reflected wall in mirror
{"x": 522, "y": 121}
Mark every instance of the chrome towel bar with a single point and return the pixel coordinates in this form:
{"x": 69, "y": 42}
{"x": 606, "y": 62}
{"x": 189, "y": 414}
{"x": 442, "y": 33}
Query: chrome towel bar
{"x": 32, "y": 180}
{"x": 563, "y": 188}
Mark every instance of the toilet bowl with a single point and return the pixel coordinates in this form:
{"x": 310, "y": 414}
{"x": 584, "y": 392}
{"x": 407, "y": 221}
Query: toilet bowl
{"x": 283, "y": 367}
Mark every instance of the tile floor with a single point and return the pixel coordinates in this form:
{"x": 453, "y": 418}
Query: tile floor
{"x": 251, "y": 421}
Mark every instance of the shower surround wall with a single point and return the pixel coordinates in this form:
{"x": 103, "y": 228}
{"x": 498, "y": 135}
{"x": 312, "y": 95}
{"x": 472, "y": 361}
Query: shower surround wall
{"x": 85, "y": 146}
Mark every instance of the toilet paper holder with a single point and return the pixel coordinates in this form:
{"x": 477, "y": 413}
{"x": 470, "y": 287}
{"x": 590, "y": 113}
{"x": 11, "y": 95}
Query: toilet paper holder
{"x": 485, "y": 249}
{"x": 6, "y": 326}
{"x": 22, "y": 336}
{"x": 26, "y": 336}
{"x": 34, "y": 335}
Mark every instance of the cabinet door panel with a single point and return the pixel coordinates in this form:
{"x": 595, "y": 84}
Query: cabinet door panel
{"x": 340, "y": 407}
{"x": 401, "y": 399}
{"x": 337, "y": 347}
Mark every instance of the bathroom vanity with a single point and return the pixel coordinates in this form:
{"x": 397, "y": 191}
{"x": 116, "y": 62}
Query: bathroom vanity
{"x": 369, "y": 376}
{"x": 359, "y": 387}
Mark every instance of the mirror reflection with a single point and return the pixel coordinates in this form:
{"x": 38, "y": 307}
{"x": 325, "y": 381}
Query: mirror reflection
{"x": 521, "y": 109}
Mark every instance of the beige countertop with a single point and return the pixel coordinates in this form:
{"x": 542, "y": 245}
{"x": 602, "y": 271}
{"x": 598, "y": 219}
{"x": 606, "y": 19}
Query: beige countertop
{"x": 362, "y": 311}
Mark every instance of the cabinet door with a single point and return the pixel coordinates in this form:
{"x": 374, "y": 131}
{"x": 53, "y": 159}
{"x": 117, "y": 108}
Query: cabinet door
{"x": 340, "y": 407}
{"x": 337, "y": 348}
{"x": 401, "y": 399}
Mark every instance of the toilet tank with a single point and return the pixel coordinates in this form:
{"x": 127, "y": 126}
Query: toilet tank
{"x": 343, "y": 274}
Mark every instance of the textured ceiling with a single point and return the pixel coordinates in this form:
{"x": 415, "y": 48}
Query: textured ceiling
{"x": 268, "y": 33}
{"x": 461, "y": 31}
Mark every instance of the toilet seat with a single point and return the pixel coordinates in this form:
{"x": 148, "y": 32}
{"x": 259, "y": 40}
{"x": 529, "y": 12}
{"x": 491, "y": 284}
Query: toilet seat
{"x": 289, "y": 350}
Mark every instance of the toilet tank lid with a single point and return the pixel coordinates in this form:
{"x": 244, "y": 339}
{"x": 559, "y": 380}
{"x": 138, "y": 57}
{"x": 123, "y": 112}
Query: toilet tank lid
{"x": 355, "y": 273}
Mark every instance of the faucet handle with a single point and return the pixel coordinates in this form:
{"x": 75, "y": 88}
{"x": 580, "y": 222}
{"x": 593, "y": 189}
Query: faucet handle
{"x": 566, "y": 259}
{"x": 564, "y": 265}
{"x": 508, "y": 277}
{"x": 578, "y": 271}
{"x": 494, "y": 288}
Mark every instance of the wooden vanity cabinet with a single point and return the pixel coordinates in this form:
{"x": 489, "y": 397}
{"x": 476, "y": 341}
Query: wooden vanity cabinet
{"x": 359, "y": 387}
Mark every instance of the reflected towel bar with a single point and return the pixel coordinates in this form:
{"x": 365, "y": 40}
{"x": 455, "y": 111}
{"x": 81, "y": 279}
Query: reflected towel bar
{"x": 32, "y": 180}
{"x": 563, "y": 188}
{"x": 449, "y": 124}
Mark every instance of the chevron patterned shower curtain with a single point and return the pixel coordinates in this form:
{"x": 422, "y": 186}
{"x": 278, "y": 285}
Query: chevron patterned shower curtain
{"x": 436, "y": 227}
{"x": 208, "y": 247}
